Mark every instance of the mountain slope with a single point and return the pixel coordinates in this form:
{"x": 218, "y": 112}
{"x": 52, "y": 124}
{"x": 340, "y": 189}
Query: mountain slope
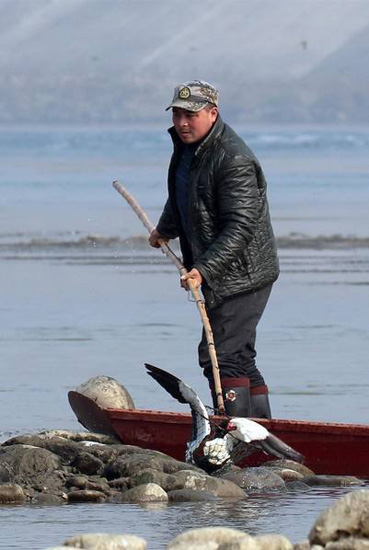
{"x": 118, "y": 60}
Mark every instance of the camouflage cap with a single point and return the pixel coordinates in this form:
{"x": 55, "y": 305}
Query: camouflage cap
{"x": 194, "y": 95}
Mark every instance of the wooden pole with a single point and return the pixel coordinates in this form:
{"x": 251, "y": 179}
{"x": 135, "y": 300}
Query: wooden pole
{"x": 194, "y": 291}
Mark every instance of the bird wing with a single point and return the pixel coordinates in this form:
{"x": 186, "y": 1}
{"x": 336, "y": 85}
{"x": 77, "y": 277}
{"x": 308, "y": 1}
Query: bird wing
{"x": 184, "y": 394}
{"x": 275, "y": 446}
{"x": 252, "y": 433}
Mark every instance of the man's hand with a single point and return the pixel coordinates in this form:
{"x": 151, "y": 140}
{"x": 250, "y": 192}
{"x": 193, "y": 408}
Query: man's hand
{"x": 196, "y": 277}
{"x": 155, "y": 238}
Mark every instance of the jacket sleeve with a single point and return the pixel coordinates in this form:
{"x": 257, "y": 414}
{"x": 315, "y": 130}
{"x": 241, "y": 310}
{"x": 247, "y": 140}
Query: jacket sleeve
{"x": 166, "y": 225}
{"x": 239, "y": 206}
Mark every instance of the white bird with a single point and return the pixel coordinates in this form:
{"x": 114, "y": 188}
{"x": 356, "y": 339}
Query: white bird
{"x": 212, "y": 446}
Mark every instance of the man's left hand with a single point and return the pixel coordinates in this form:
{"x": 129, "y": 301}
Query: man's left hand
{"x": 195, "y": 275}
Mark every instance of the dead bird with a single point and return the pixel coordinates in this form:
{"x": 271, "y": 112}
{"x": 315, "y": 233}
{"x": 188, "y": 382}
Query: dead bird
{"x": 213, "y": 446}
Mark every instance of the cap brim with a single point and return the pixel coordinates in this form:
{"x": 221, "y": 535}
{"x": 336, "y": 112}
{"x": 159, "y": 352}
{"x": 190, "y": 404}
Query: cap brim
{"x": 188, "y": 105}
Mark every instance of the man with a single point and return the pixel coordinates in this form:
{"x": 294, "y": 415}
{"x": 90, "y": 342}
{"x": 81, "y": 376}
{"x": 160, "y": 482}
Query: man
{"x": 217, "y": 206}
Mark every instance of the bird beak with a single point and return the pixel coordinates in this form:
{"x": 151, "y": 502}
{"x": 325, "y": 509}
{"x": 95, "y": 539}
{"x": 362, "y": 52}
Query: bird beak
{"x": 231, "y": 427}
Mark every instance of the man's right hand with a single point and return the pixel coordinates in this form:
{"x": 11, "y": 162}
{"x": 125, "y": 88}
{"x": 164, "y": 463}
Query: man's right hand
{"x": 156, "y": 239}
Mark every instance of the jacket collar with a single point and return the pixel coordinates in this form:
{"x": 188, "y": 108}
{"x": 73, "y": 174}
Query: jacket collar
{"x": 206, "y": 142}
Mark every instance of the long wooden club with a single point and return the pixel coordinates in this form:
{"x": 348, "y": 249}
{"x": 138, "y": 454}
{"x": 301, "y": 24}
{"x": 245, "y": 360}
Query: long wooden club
{"x": 194, "y": 291}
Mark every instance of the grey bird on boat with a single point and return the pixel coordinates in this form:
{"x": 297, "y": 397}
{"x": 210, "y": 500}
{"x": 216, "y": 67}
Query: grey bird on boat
{"x": 214, "y": 445}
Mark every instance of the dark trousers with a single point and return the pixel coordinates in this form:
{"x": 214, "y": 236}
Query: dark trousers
{"x": 234, "y": 325}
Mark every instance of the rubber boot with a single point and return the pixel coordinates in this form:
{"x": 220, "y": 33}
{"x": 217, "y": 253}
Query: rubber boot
{"x": 260, "y": 406}
{"x": 236, "y": 395}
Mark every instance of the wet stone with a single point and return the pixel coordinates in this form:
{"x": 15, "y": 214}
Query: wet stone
{"x": 11, "y": 493}
{"x": 257, "y": 479}
{"x": 331, "y": 481}
{"x": 287, "y": 474}
{"x": 49, "y": 500}
{"x": 200, "y": 481}
{"x": 290, "y": 464}
{"x": 190, "y": 495}
{"x": 297, "y": 486}
{"x": 148, "y": 492}
{"x": 86, "y": 495}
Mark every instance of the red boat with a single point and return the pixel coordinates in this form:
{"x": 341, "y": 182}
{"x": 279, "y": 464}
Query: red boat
{"x": 328, "y": 448}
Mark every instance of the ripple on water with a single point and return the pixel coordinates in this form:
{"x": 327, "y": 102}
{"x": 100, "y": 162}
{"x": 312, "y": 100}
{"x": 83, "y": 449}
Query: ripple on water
{"x": 290, "y": 514}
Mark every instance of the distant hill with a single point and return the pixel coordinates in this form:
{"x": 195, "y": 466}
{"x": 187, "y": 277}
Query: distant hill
{"x": 116, "y": 61}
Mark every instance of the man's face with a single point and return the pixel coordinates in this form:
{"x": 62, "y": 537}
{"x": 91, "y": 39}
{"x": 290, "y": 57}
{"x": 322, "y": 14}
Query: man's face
{"x": 191, "y": 127}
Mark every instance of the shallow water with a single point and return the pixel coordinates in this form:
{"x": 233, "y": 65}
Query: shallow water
{"x": 78, "y": 299}
{"x": 290, "y": 514}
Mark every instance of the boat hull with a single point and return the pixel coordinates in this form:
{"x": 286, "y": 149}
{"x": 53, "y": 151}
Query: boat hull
{"x": 328, "y": 448}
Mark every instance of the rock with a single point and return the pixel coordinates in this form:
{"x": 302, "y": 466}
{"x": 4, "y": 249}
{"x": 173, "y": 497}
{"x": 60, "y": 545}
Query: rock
{"x": 211, "y": 538}
{"x": 346, "y": 517}
{"x": 78, "y": 481}
{"x": 10, "y": 493}
{"x": 331, "y": 481}
{"x": 83, "y": 437}
{"x": 199, "y": 481}
{"x": 5, "y": 474}
{"x": 273, "y": 542}
{"x": 107, "y": 393}
{"x": 304, "y": 545}
{"x": 101, "y": 541}
{"x": 121, "y": 483}
{"x": 349, "y": 544}
{"x": 36, "y": 470}
{"x": 87, "y": 463}
{"x": 64, "y": 448}
{"x": 28, "y": 462}
{"x": 126, "y": 466}
{"x": 240, "y": 544}
{"x": 256, "y": 479}
{"x": 297, "y": 486}
{"x": 190, "y": 495}
{"x": 290, "y": 464}
{"x": 149, "y": 475}
{"x": 86, "y": 495}
{"x": 172, "y": 466}
{"x": 287, "y": 474}
{"x": 148, "y": 492}
{"x": 46, "y": 499}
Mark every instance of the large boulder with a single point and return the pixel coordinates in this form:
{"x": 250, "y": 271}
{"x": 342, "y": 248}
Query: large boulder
{"x": 107, "y": 393}
{"x": 27, "y": 463}
{"x": 349, "y": 516}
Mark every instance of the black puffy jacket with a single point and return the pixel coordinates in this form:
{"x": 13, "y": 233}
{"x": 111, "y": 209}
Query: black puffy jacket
{"x": 232, "y": 242}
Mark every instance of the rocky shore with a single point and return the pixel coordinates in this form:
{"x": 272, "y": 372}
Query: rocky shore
{"x": 60, "y": 467}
